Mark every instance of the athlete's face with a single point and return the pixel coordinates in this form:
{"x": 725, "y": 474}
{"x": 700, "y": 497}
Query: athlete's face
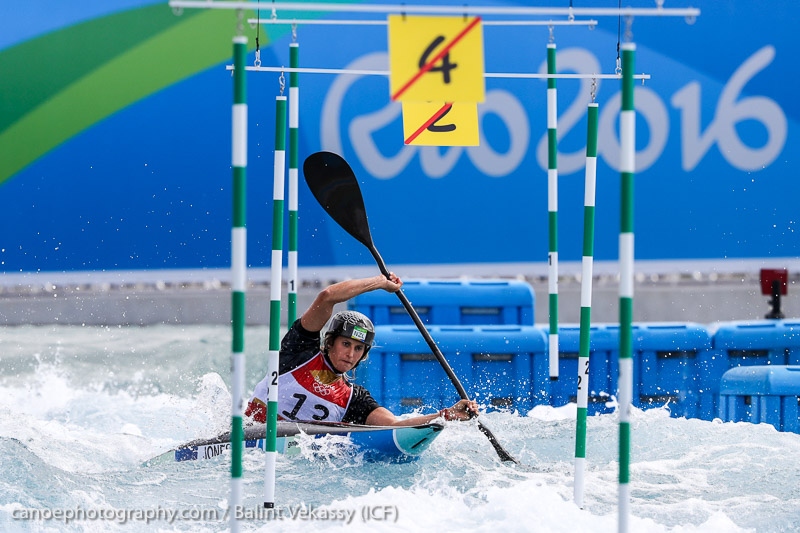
{"x": 345, "y": 353}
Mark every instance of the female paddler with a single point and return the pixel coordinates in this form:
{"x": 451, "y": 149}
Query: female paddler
{"x": 313, "y": 383}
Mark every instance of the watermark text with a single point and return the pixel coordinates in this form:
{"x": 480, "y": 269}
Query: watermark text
{"x": 299, "y": 512}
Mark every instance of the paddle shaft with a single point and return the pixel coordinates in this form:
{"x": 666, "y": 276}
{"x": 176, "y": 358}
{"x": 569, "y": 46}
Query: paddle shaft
{"x": 501, "y": 452}
{"x": 421, "y": 327}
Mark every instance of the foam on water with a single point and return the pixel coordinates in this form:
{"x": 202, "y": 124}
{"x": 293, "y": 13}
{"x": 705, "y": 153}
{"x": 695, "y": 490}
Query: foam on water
{"x": 82, "y": 408}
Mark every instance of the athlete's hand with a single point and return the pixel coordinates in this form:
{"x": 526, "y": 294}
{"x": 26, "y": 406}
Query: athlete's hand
{"x": 393, "y": 283}
{"x": 461, "y": 410}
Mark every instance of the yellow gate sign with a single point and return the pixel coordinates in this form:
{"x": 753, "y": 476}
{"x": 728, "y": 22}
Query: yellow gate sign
{"x": 440, "y": 123}
{"x": 436, "y": 59}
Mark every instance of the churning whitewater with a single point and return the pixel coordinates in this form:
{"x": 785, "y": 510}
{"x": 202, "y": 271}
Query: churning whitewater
{"x": 82, "y": 408}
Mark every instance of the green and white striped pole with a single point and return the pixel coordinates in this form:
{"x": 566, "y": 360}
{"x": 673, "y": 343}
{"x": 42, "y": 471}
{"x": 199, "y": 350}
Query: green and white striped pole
{"x": 627, "y": 167}
{"x": 586, "y": 302}
{"x": 294, "y": 147}
{"x": 275, "y": 298}
{"x": 238, "y": 269}
{"x": 552, "y": 209}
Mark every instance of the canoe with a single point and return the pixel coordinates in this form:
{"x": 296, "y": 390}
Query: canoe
{"x": 376, "y": 443}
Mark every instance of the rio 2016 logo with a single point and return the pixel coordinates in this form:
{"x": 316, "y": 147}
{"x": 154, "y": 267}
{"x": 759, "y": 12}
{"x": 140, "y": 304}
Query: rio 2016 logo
{"x": 695, "y": 142}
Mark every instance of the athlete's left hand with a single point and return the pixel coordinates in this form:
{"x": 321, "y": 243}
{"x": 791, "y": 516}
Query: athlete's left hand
{"x": 461, "y": 410}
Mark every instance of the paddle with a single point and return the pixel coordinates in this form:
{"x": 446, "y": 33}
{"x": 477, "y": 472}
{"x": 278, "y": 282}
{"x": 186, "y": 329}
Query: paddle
{"x": 335, "y": 187}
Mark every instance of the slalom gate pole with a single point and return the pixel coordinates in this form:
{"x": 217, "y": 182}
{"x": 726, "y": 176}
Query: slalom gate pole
{"x": 294, "y": 158}
{"x": 238, "y": 269}
{"x": 626, "y": 240}
{"x": 275, "y": 298}
{"x": 552, "y": 209}
{"x": 586, "y": 302}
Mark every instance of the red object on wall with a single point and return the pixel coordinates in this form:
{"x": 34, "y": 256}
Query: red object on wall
{"x": 768, "y": 275}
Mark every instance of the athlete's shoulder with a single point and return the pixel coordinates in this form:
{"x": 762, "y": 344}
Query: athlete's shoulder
{"x": 297, "y": 347}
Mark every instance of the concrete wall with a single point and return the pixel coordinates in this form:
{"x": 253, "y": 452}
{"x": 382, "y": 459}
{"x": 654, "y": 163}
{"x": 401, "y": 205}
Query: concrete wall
{"x": 203, "y": 297}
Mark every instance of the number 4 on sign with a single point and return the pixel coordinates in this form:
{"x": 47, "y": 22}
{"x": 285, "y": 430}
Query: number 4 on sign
{"x": 436, "y": 58}
{"x": 440, "y": 123}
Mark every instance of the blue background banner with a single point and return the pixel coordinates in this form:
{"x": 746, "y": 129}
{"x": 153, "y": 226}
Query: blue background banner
{"x": 118, "y": 156}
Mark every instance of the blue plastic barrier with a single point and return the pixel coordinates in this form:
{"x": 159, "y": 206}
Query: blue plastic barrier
{"x": 499, "y": 366}
{"x": 453, "y": 302}
{"x": 752, "y": 343}
{"x": 761, "y": 394}
{"x": 603, "y": 368}
{"x": 664, "y": 366}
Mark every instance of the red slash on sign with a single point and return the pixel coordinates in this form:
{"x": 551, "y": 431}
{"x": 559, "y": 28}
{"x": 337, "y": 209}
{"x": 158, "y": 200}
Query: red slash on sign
{"x": 438, "y": 57}
{"x": 444, "y": 109}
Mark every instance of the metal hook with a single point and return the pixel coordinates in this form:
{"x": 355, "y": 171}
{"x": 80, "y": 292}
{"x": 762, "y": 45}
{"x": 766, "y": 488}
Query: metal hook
{"x": 257, "y": 61}
{"x": 294, "y": 32}
{"x": 594, "y": 89}
{"x": 629, "y": 29}
{"x": 552, "y": 38}
{"x": 282, "y": 82}
{"x": 618, "y": 69}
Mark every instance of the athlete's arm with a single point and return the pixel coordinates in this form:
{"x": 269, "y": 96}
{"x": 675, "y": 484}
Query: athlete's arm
{"x": 321, "y": 308}
{"x": 462, "y": 410}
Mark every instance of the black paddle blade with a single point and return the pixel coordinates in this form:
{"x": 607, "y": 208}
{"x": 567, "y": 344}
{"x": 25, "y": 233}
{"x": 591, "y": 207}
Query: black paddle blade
{"x": 335, "y": 187}
{"x": 498, "y": 448}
